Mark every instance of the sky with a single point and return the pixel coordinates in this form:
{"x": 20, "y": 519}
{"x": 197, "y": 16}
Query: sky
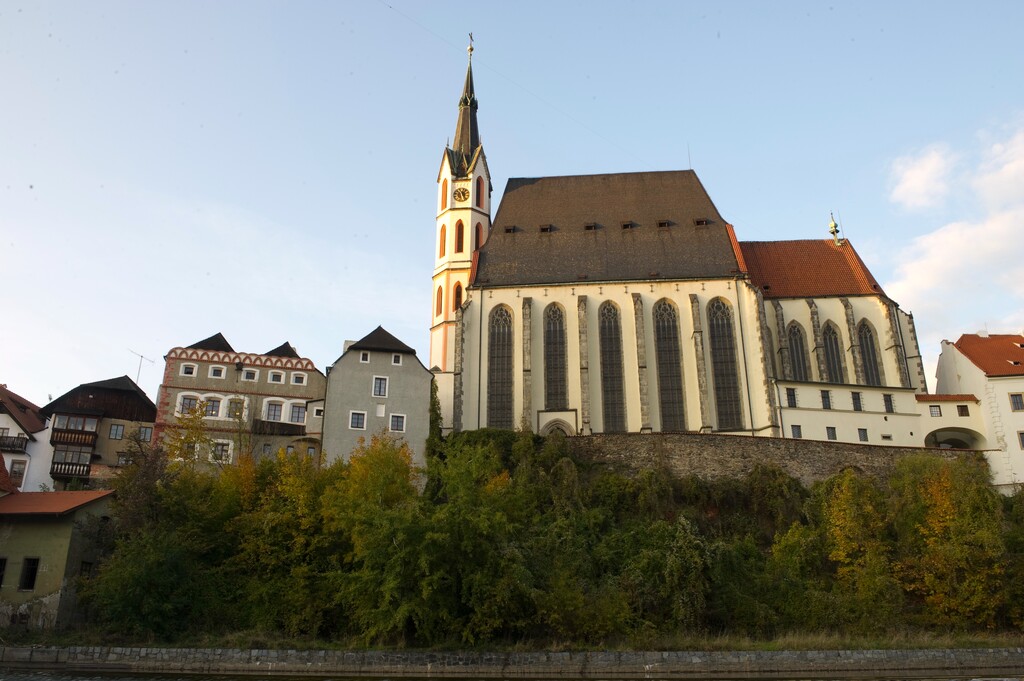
{"x": 267, "y": 170}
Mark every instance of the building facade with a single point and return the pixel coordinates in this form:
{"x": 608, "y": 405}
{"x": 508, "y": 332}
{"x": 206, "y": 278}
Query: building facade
{"x": 252, "y": 403}
{"x": 91, "y": 427}
{"x": 378, "y": 385}
{"x": 23, "y": 443}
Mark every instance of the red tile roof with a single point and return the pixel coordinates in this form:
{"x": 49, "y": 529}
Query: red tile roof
{"x": 995, "y": 354}
{"x": 21, "y": 410}
{"x": 807, "y": 269}
{"x": 48, "y": 503}
{"x": 947, "y": 398}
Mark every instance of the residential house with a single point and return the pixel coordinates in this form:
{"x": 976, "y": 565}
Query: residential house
{"x": 22, "y": 442}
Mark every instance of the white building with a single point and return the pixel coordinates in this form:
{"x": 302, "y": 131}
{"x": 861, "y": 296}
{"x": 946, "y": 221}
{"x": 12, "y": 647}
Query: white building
{"x": 991, "y": 367}
{"x": 24, "y": 442}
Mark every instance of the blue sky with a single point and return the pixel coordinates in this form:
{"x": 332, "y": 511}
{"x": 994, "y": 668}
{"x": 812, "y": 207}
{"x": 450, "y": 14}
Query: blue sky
{"x": 267, "y": 169}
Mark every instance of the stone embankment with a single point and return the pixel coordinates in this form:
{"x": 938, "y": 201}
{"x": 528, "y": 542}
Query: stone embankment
{"x": 603, "y": 665}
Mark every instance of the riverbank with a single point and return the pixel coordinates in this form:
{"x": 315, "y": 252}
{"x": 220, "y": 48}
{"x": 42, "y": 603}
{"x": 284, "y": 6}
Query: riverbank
{"x": 820, "y": 664}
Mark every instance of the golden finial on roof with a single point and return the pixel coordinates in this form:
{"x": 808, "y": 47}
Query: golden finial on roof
{"x": 833, "y": 228}
{"x": 470, "y": 48}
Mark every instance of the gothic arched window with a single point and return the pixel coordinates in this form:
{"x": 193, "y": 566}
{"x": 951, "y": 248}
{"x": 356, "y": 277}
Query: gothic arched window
{"x": 869, "y": 354}
{"x": 499, "y": 369}
{"x": 555, "y": 365}
{"x": 440, "y": 299}
{"x": 440, "y": 250}
{"x": 444, "y": 194}
{"x": 479, "y": 192}
{"x": 456, "y": 296}
{"x": 670, "y": 373}
{"x": 458, "y": 236}
{"x": 833, "y": 354}
{"x": 797, "y": 352}
{"x": 613, "y": 400}
{"x": 723, "y": 365}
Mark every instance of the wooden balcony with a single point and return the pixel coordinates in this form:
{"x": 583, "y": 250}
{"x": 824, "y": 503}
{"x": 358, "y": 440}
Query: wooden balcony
{"x": 73, "y": 437}
{"x": 66, "y": 469}
{"x": 13, "y": 444}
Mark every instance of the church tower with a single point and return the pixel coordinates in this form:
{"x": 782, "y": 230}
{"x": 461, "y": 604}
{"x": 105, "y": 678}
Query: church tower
{"x": 463, "y": 223}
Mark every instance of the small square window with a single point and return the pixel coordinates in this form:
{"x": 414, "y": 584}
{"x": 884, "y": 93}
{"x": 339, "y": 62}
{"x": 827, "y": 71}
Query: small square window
{"x": 890, "y": 407}
{"x": 188, "y": 369}
{"x": 826, "y": 399}
{"x": 311, "y": 451}
{"x": 830, "y": 432}
{"x": 116, "y": 431}
{"x": 364, "y": 357}
{"x": 962, "y": 410}
{"x": 221, "y": 452}
{"x": 380, "y": 386}
{"x": 397, "y": 423}
{"x": 266, "y": 449}
{"x": 396, "y": 359}
{"x": 319, "y": 411}
{"x": 250, "y": 375}
{"x": 145, "y": 433}
{"x": 887, "y": 438}
{"x": 862, "y": 434}
{"x": 798, "y": 432}
{"x": 1017, "y": 401}
{"x": 791, "y": 397}
{"x": 276, "y": 377}
{"x": 857, "y": 404}
{"x": 935, "y": 410}
{"x": 216, "y": 372}
{"x": 298, "y": 379}
{"x": 357, "y": 420}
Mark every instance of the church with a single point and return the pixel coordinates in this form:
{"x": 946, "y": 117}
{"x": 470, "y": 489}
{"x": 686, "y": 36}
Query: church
{"x": 625, "y": 303}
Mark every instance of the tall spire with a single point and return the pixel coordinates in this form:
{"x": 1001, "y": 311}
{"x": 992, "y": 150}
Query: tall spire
{"x": 467, "y": 135}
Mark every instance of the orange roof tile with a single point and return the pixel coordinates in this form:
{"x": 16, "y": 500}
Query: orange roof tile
{"x": 947, "y": 398}
{"x": 807, "y": 268}
{"x": 49, "y": 503}
{"x": 995, "y": 354}
{"x": 21, "y": 410}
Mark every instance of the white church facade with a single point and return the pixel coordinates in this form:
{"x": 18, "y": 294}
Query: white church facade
{"x": 626, "y": 303}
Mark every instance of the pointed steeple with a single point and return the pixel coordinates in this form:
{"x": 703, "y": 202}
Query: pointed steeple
{"x": 467, "y": 135}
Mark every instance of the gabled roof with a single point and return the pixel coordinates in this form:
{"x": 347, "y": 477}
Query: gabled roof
{"x": 283, "y": 350}
{"x": 618, "y": 227}
{"x": 216, "y": 342}
{"x": 807, "y": 269}
{"x": 118, "y": 398}
{"x": 25, "y": 414}
{"x": 382, "y": 341}
{"x": 995, "y": 354}
{"x": 49, "y": 503}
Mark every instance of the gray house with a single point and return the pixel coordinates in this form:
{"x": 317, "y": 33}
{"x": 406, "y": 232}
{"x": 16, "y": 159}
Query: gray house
{"x": 377, "y": 385}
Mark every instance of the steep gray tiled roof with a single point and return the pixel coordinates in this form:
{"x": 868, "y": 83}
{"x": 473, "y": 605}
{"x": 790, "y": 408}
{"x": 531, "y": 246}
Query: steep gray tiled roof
{"x": 216, "y": 342}
{"x": 379, "y": 339}
{"x": 540, "y": 233}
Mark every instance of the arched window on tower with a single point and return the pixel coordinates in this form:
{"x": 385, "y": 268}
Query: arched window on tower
{"x": 440, "y": 300}
{"x": 479, "y": 236}
{"x": 456, "y": 296}
{"x": 613, "y": 401}
{"x": 440, "y": 250}
{"x": 723, "y": 366}
{"x": 833, "y": 354}
{"x": 458, "y": 236}
{"x": 444, "y": 194}
{"x": 479, "y": 192}
{"x": 499, "y": 369}
{"x": 670, "y": 372}
{"x": 869, "y": 354}
{"x": 797, "y": 351}
{"x": 555, "y": 365}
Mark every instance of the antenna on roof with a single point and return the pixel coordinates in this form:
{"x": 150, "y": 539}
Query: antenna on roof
{"x": 139, "y": 355}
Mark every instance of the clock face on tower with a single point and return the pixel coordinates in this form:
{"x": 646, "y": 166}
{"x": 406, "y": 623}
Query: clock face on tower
{"x": 461, "y": 194}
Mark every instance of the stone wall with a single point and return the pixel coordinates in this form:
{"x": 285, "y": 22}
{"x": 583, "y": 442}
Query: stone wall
{"x": 714, "y": 456}
{"x": 605, "y": 665}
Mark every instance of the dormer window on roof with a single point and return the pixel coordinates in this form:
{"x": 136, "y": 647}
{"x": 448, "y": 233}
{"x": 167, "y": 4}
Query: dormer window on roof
{"x": 546, "y": 229}
{"x": 590, "y": 226}
{"x": 629, "y": 224}
{"x": 664, "y": 224}
{"x": 701, "y": 222}
{"x": 510, "y": 229}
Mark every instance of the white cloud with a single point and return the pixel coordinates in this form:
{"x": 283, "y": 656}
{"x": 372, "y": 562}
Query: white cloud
{"x": 922, "y": 180}
{"x": 965, "y": 275}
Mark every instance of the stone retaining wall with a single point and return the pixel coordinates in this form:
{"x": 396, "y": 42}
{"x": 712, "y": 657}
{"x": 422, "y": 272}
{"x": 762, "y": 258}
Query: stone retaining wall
{"x": 604, "y": 665}
{"x": 714, "y": 455}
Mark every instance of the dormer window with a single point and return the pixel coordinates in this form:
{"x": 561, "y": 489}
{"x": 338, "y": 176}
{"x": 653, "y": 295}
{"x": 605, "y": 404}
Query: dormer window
{"x": 510, "y": 229}
{"x": 590, "y": 226}
{"x": 664, "y": 224}
{"x": 545, "y": 229}
{"x": 629, "y": 224}
{"x": 701, "y": 222}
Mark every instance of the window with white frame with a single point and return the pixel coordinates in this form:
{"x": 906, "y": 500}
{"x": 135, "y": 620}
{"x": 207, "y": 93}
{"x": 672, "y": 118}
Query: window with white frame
{"x": 398, "y": 423}
{"x": 380, "y": 386}
{"x": 364, "y": 357}
{"x": 212, "y": 407}
{"x": 116, "y": 431}
{"x": 220, "y": 452}
{"x": 935, "y": 410}
{"x": 236, "y": 408}
{"x": 275, "y": 377}
{"x": 250, "y": 375}
{"x": 274, "y": 411}
{"x": 298, "y": 413}
{"x": 298, "y": 378}
{"x": 145, "y": 433}
{"x": 396, "y": 359}
{"x": 319, "y": 411}
{"x": 217, "y": 372}
{"x": 188, "y": 403}
{"x": 188, "y": 369}
{"x": 357, "y": 420}
{"x": 1017, "y": 401}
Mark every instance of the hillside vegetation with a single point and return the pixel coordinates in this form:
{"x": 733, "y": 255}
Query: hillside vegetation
{"x": 506, "y": 539}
